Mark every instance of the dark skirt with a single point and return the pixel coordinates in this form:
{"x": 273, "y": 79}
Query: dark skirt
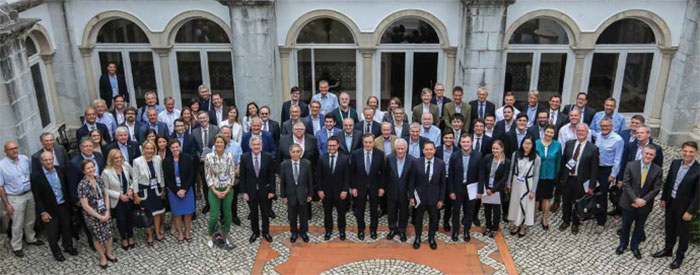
{"x": 181, "y": 206}
{"x": 153, "y": 202}
{"x": 545, "y": 189}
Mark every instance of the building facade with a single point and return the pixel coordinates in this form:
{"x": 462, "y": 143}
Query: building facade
{"x": 644, "y": 53}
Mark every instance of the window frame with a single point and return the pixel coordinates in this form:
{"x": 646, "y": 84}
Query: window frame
{"x": 537, "y": 50}
{"x": 37, "y": 60}
{"x": 202, "y": 49}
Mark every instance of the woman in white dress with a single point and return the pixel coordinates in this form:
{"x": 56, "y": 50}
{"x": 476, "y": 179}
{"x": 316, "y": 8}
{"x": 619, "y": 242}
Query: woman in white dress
{"x": 232, "y": 122}
{"x": 522, "y": 181}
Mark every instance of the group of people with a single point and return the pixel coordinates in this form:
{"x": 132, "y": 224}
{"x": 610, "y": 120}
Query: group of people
{"x": 452, "y": 158}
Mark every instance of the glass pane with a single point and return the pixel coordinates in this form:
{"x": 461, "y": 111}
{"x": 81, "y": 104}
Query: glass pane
{"x": 31, "y": 47}
{"x": 518, "y": 72}
{"x": 111, "y": 57}
{"x": 325, "y": 30}
{"x": 551, "y": 77}
{"x": 602, "y": 80}
{"x": 339, "y": 69}
{"x": 305, "y": 79}
{"x": 410, "y": 31}
{"x": 424, "y": 73}
{"x": 635, "y": 82}
{"x": 539, "y": 31}
{"x": 221, "y": 75}
{"x": 143, "y": 75}
{"x": 189, "y": 70}
{"x": 121, "y": 31}
{"x": 201, "y": 31}
{"x": 393, "y": 78}
{"x": 627, "y": 31}
{"x": 41, "y": 99}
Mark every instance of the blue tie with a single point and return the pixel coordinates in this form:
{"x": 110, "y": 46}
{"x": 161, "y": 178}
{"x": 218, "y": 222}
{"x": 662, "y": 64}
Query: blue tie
{"x": 367, "y": 160}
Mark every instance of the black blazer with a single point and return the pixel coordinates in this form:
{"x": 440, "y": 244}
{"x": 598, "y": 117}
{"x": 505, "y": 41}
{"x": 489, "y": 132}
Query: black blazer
{"x": 296, "y": 193}
{"x": 562, "y": 119}
{"x": 265, "y": 180}
{"x": 486, "y": 143}
{"x": 356, "y": 142}
{"x": 421, "y": 142}
{"x": 212, "y": 114}
{"x": 500, "y": 129}
{"x": 534, "y": 130}
{"x": 287, "y": 126}
{"x": 397, "y": 187}
{"x": 490, "y": 109}
{"x": 630, "y": 153}
{"x": 588, "y": 163}
{"x": 75, "y": 174}
{"x": 44, "y": 198}
{"x": 510, "y": 140}
{"x": 439, "y": 153}
{"x": 310, "y": 148}
{"x": 187, "y": 172}
{"x": 429, "y": 192}
{"x": 189, "y": 144}
{"x": 376, "y": 128}
{"x": 106, "y": 89}
{"x": 359, "y": 179}
{"x": 59, "y": 152}
{"x": 274, "y": 128}
{"x": 687, "y": 195}
{"x": 588, "y": 113}
{"x": 475, "y": 171}
{"x": 445, "y": 100}
{"x": 131, "y": 146}
{"x": 632, "y": 189}
{"x": 83, "y": 131}
{"x": 288, "y": 104}
{"x": 499, "y": 181}
{"x": 404, "y": 130}
{"x": 332, "y": 183}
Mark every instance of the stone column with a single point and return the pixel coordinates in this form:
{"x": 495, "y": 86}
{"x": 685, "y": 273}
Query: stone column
{"x": 367, "y": 55}
{"x": 655, "y": 117}
{"x": 57, "y": 110}
{"x": 164, "y": 62}
{"x": 256, "y": 69}
{"x": 480, "y": 52}
{"x": 450, "y": 56}
{"x": 577, "y": 82}
{"x": 285, "y": 63}
{"x": 86, "y": 55}
{"x": 20, "y": 117}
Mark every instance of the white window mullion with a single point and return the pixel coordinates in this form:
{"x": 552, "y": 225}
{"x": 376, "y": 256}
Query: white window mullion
{"x": 619, "y": 75}
{"x": 535, "y": 70}
{"x": 408, "y": 84}
{"x": 313, "y": 72}
{"x": 204, "y": 63}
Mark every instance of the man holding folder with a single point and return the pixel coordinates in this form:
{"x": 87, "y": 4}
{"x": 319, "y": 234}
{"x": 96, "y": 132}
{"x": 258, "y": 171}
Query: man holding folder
{"x": 466, "y": 168}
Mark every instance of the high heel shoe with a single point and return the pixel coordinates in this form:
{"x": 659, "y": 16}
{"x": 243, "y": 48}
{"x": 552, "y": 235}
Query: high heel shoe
{"x": 545, "y": 227}
{"x": 104, "y": 266}
{"x": 114, "y": 260}
{"x": 514, "y": 231}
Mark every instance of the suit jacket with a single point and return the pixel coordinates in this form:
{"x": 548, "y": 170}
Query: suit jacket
{"x": 287, "y": 127}
{"x": 264, "y": 181}
{"x": 588, "y": 163}
{"x": 274, "y": 128}
{"x": 288, "y": 104}
{"x": 268, "y": 143}
{"x": 445, "y": 100}
{"x": 397, "y": 187}
{"x": 421, "y": 142}
{"x": 405, "y": 130}
{"x": 486, "y": 143}
{"x": 562, "y": 119}
{"x": 310, "y": 149}
{"x": 44, "y": 197}
{"x": 687, "y": 198}
{"x": 162, "y": 129}
{"x": 356, "y": 142}
{"x": 360, "y": 180}
{"x": 440, "y": 151}
{"x": 296, "y": 192}
{"x": 534, "y": 130}
{"x": 186, "y": 167}
{"x": 418, "y": 113}
{"x": 75, "y": 174}
{"x": 321, "y": 119}
{"x": 141, "y": 175}
{"x": 510, "y": 140}
{"x": 429, "y": 191}
{"x": 475, "y": 171}
{"x": 500, "y": 129}
{"x": 499, "y": 180}
{"x": 525, "y": 106}
{"x": 114, "y": 184}
{"x": 375, "y": 128}
{"x": 490, "y": 109}
{"x": 588, "y": 113}
{"x": 60, "y": 156}
{"x": 322, "y": 139}
{"x": 449, "y": 110}
{"x": 212, "y": 114}
{"x": 333, "y": 182}
{"x": 630, "y": 154}
{"x": 197, "y": 134}
{"x": 632, "y": 189}
{"x": 83, "y": 131}
{"x": 189, "y": 144}
{"x": 137, "y": 127}
{"x": 379, "y": 144}
{"x": 106, "y": 89}
{"x": 131, "y": 146}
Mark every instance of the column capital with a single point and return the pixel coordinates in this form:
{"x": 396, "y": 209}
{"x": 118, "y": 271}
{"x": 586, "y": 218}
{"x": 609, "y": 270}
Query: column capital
{"x": 47, "y": 58}
{"x": 86, "y": 51}
{"x": 668, "y": 52}
{"x": 581, "y": 52}
{"x": 450, "y": 51}
{"x": 367, "y": 52}
{"x": 163, "y": 51}
{"x": 285, "y": 51}
{"x": 247, "y": 2}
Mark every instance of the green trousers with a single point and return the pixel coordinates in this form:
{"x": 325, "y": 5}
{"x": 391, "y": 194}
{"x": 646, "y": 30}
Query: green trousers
{"x": 215, "y": 205}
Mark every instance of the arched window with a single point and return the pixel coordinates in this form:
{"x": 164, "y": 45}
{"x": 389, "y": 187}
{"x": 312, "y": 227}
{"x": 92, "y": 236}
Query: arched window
{"x": 410, "y": 31}
{"x": 537, "y": 57}
{"x": 623, "y": 72}
{"x": 325, "y": 31}
{"x": 203, "y": 52}
{"x": 38, "y": 73}
{"x": 121, "y": 31}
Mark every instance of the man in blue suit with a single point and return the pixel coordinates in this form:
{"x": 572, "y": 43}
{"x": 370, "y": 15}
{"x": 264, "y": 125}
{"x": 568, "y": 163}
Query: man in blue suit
{"x": 256, "y": 130}
{"x": 315, "y": 118}
{"x": 189, "y": 145}
{"x": 322, "y": 135}
{"x": 91, "y": 123}
{"x": 152, "y": 123}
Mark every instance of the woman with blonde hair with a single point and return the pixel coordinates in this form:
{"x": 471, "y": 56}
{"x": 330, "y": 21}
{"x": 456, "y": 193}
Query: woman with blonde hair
{"x": 147, "y": 187}
{"x": 117, "y": 179}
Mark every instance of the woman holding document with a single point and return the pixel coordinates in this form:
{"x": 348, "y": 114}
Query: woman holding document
{"x": 497, "y": 166}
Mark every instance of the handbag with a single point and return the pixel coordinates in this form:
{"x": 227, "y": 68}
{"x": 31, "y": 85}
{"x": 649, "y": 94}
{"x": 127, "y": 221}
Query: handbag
{"x": 142, "y": 218}
{"x": 588, "y": 206}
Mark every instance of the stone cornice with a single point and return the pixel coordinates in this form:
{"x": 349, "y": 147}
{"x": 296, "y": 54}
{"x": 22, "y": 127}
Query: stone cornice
{"x": 487, "y": 3}
{"x": 247, "y": 2}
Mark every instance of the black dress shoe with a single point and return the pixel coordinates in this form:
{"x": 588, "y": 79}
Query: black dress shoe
{"x": 37, "y": 242}
{"x": 644, "y": 238}
{"x": 267, "y": 237}
{"x": 253, "y": 238}
{"x": 342, "y": 236}
{"x": 487, "y": 232}
{"x": 391, "y": 235}
{"x": 205, "y": 209}
{"x": 563, "y": 226}
{"x": 455, "y": 236}
{"x": 447, "y": 227}
{"x": 636, "y": 253}
{"x": 59, "y": 257}
{"x": 294, "y": 237}
{"x": 114, "y": 260}
{"x": 433, "y": 244}
{"x": 272, "y": 215}
{"x": 619, "y": 250}
{"x": 467, "y": 237}
{"x": 327, "y": 236}
{"x": 676, "y": 263}
{"x": 19, "y": 253}
{"x": 361, "y": 235}
{"x": 236, "y": 220}
{"x": 476, "y": 222}
{"x": 662, "y": 253}
{"x": 402, "y": 237}
{"x": 416, "y": 243}
{"x": 72, "y": 251}
{"x": 373, "y": 235}
{"x": 305, "y": 237}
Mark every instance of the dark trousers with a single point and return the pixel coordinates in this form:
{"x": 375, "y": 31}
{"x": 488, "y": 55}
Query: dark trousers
{"x": 477, "y": 207}
{"x": 603, "y": 173}
{"x": 629, "y": 217}
{"x": 447, "y": 207}
{"x": 297, "y": 212}
{"x": 559, "y": 191}
{"x": 259, "y": 201}
{"x": 205, "y": 187}
{"x": 59, "y": 227}
{"x": 432, "y": 219}
{"x": 234, "y": 201}
{"x": 398, "y": 213}
{"x": 572, "y": 191}
{"x": 492, "y": 213}
{"x": 329, "y": 202}
{"x": 462, "y": 202}
{"x": 505, "y": 203}
{"x": 79, "y": 224}
{"x": 123, "y": 214}
{"x": 361, "y": 204}
{"x": 676, "y": 228}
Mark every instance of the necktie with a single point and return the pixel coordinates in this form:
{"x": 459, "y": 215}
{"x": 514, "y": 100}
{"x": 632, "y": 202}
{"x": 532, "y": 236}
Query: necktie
{"x": 551, "y": 118}
{"x": 645, "y": 168}
{"x": 265, "y": 127}
{"x": 332, "y": 164}
{"x": 481, "y": 110}
{"x": 367, "y": 163}
{"x": 367, "y": 127}
{"x": 206, "y": 138}
{"x": 256, "y": 166}
{"x": 576, "y": 152}
{"x": 427, "y": 171}
{"x": 478, "y": 144}
{"x": 91, "y": 128}
{"x": 296, "y": 172}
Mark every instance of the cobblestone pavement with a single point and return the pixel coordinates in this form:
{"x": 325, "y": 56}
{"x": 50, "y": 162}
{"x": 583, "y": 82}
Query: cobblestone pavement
{"x": 540, "y": 252}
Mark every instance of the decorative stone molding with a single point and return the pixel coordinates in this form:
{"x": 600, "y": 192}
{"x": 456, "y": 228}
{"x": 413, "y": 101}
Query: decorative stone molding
{"x": 92, "y": 28}
{"x": 419, "y": 14}
{"x": 486, "y": 3}
{"x": 662, "y": 32}
{"x": 572, "y": 29}
{"x": 47, "y": 58}
{"x": 163, "y": 51}
{"x": 247, "y": 2}
{"x": 291, "y": 38}
{"x": 167, "y": 37}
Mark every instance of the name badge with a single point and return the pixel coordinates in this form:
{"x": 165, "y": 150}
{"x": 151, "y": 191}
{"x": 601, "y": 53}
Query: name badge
{"x": 154, "y": 183}
{"x": 223, "y": 178}
{"x": 177, "y": 181}
{"x": 100, "y": 205}
{"x": 520, "y": 179}
{"x": 571, "y": 164}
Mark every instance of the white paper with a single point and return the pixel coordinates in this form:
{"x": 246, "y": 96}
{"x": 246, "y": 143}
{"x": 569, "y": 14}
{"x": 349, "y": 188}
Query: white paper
{"x": 472, "y": 190}
{"x": 415, "y": 194}
{"x": 495, "y": 198}
{"x": 585, "y": 185}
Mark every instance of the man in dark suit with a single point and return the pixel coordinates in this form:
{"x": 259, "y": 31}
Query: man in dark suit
{"x": 641, "y": 183}
{"x": 48, "y": 145}
{"x": 481, "y": 107}
{"x": 296, "y": 189}
{"x": 269, "y": 125}
{"x": 130, "y": 149}
{"x": 333, "y": 186}
{"x": 257, "y": 178}
{"x": 439, "y": 99}
{"x": 324, "y": 134}
{"x": 579, "y": 165}
{"x": 368, "y": 125}
{"x": 397, "y": 174}
{"x": 466, "y": 168}
{"x": 112, "y": 85}
{"x": 298, "y": 136}
{"x": 513, "y": 138}
{"x": 630, "y": 135}
{"x": 266, "y": 137}
{"x": 350, "y": 139}
{"x": 532, "y": 107}
{"x": 556, "y": 117}
{"x": 50, "y": 190}
{"x": 189, "y": 145}
{"x": 160, "y": 127}
{"x": 315, "y": 118}
{"x": 399, "y": 127}
{"x": 633, "y": 151}
{"x": 204, "y": 135}
{"x": 427, "y": 191}
{"x": 295, "y": 116}
{"x": 90, "y": 124}
{"x": 204, "y": 98}
{"x": 366, "y": 168}
{"x": 480, "y": 141}
{"x": 119, "y": 109}
{"x": 218, "y": 112}
{"x": 680, "y": 199}
{"x": 415, "y": 141}
{"x": 506, "y": 125}
{"x": 132, "y": 124}
{"x": 587, "y": 112}
{"x": 537, "y": 130}
{"x": 296, "y": 95}
{"x": 75, "y": 174}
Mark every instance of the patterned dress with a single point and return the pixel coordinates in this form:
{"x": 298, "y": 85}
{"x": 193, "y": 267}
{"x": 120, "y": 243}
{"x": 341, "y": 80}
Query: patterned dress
{"x": 101, "y": 231}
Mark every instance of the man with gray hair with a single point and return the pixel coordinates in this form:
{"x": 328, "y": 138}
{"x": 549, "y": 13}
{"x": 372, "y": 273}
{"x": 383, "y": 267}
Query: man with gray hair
{"x": 580, "y": 159}
{"x": 151, "y": 102}
{"x": 532, "y": 107}
{"x": 398, "y": 169}
{"x": 130, "y": 149}
{"x": 169, "y": 115}
{"x": 268, "y": 141}
{"x": 296, "y": 189}
{"x": 257, "y": 175}
{"x": 204, "y": 98}
{"x": 415, "y": 141}
{"x": 104, "y": 116}
{"x": 429, "y": 130}
{"x": 299, "y": 137}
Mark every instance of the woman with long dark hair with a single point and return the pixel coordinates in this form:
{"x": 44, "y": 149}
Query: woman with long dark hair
{"x": 496, "y": 165}
{"x": 522, "y": 183}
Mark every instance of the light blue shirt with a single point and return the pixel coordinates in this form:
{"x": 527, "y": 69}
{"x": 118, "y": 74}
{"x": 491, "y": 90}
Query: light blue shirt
{"x": 125, "y": 150}
{"x": 14, "y": 175}
{"x": 531, "y": 115}
{"x": 328, "y": 102}
{"x": 446, "y": 154}
{"x": 55, "y": 183}
{"x": 108, "y": 120}
{"x": 234, "y": 148}
{"x": 618, "y": 121}
{"x": 679, "y": 177}
{"x": 433, "y": 134}
{"x": 465, "y": 165}
{"x": 520, "y": 136}
{"x": 387, "y": 146}
{"x": 113, "y": 83}
{"x": 143, "y": 111}
{"x": 414, "y": 149}
{"x": 399, "y": 164}
{"x": 611, "y": 148}
{"x": 348, "y": 142}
